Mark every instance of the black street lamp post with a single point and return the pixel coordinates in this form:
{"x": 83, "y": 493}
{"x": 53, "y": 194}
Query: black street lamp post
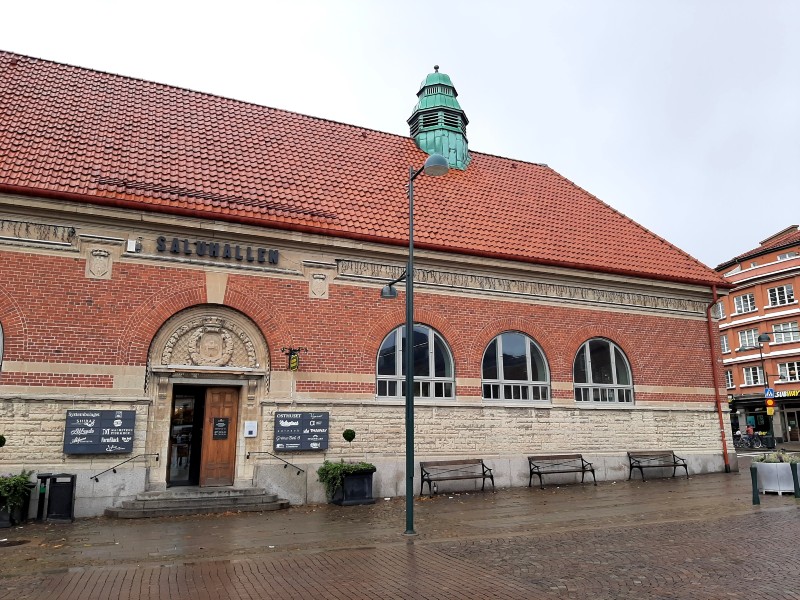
{"x": 435, "y": 165}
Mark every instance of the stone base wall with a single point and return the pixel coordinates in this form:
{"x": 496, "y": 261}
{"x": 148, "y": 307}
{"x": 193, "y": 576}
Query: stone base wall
{"x": 501, "y": 435}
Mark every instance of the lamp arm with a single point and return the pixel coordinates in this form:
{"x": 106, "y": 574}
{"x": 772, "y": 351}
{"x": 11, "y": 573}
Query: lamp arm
{"x": 398, "y": 280}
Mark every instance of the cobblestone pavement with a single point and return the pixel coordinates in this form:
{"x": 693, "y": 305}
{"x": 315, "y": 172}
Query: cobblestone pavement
{"x": 665, "y": 538}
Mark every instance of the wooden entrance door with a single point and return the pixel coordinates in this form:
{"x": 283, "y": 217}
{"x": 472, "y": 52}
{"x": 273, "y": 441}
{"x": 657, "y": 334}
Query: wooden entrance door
{"x": 219, "y": 436}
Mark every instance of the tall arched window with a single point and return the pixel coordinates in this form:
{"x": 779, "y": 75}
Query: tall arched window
{"x": 433, "y": 365}
{"x": 602, "y": 374}
{"x": 514, "y": 369}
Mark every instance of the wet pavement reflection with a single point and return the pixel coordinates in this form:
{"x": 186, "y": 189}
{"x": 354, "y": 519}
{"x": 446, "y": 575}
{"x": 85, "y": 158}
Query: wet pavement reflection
{"x": 660, "y": 538}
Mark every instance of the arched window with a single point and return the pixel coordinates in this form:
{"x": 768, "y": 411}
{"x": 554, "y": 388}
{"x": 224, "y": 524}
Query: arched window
{"x": 602, "y": 374}
{"x": 514, "y": 369}
{"x": 433, "y": 365}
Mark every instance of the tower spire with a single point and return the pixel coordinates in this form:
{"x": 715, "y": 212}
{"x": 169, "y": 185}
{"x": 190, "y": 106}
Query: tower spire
{"x": 438, "y": 124}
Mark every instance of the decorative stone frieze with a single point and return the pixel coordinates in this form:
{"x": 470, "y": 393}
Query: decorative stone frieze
{"x": 517, "y": 287}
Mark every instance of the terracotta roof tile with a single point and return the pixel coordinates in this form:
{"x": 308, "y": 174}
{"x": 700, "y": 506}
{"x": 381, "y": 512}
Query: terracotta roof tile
{"x": 103, "y": 138}
{"x": 784, "y": 239}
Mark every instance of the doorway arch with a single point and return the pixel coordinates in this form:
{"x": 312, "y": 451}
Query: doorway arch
{"x": 208, "y": 366}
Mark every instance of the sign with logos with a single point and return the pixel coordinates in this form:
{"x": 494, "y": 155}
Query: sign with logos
{"x": 99, "y": 431}
{"x": 769, "y": 392}
{"x": 298, "y": 431}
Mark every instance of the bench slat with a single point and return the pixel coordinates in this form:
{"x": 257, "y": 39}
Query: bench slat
{"x": 655, "y": 459}
{"x": 449, "y": 470}
{"x": 557, "y": 463}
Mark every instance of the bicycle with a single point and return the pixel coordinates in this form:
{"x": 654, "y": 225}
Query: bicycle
{"x": 744, "y": 441}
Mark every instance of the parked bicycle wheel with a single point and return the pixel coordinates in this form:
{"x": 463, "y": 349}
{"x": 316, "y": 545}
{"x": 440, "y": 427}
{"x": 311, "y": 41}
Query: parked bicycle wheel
{"x": 756, "y": 442}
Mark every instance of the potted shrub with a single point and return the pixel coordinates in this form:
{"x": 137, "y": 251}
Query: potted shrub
{"x": 15, "y": 496}
{"x": 775, "y": 471}
{"x": 347, "y": 483}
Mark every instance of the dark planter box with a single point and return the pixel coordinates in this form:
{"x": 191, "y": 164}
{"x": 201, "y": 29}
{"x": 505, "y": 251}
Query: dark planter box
{"x": 356, "y": 489}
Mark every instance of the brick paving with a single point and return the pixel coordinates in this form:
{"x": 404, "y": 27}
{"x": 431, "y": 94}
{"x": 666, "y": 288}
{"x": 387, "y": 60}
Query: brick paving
{"x": 671, "y": 538}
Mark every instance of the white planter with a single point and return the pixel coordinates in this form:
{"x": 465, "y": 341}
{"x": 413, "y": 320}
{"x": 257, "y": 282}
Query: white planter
{"x": 775, "y": 477}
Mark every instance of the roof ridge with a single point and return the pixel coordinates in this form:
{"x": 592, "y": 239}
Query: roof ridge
{"x": 193, "y": 91}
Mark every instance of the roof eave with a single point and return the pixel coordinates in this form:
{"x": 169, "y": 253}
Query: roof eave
{"x": 353, "y": 235}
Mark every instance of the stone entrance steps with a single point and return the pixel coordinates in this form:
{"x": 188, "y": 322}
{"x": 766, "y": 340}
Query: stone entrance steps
{"x": 196, "y": 501}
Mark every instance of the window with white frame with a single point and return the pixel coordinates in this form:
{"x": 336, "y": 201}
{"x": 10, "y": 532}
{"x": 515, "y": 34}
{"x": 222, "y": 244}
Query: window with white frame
{"x": 748, "y": 338}
{"x": 789, "y": 371}
{"x": 729, "y": 379}
{"x": 783, "y": 294}
{"x": 744, "y": 303}
{"x": 719, "y": 310}
{"x": 723, "y": 342}
{"x": 753, "y": 375}
{"x": 514, "y": 368}
{"x": 433, "y": 365}
{"x": 787, "y": 255}
{"x": 601, "y": 374}
{"x": 786, "y": 332}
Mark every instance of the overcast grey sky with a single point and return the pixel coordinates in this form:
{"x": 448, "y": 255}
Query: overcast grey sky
{"x": 681, "y": 114}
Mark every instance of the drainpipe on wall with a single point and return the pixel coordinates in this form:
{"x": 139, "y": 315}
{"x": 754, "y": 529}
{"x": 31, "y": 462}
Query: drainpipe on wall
{"x": 714, "y": 371}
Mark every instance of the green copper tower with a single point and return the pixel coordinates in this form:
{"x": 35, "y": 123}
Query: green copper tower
{"x": 438, "y": 125}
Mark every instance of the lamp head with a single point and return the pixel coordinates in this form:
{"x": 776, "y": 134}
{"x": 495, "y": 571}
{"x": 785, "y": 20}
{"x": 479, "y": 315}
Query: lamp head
{"x": 764, "y": 337}
{"x": 436, "y": 165}
{"x": 388, "y": 292}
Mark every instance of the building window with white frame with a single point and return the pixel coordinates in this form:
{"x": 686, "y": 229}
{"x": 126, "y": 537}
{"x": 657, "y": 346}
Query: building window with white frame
{"x": 723, "y": 342}
{"x": 783, "y": 294}
{"x": 729, "y": 379}
{"x": 601, "y": 374}
{"x": 745, "y": 303}
{"x": 753, "y": 375}
{"x": 787, "y": 255}
{"x": 514, "y": 368}
{"x": 433, "y": 365}
{"x": 748, "y": 338}
{"x": 719, "y": 310}
{"x": 789, "y": 371}
{"x": 785, "y": 332}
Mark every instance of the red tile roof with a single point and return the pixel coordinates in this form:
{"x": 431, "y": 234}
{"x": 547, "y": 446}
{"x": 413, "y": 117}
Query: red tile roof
{"x": 785, "y": 238}
{"x": 88, "y": 136}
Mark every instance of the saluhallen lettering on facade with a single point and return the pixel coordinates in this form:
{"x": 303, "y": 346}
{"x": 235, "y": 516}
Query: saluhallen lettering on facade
{"x": 217, "y": 250}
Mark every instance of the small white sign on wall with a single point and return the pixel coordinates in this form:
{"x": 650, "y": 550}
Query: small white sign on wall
{"x": 250, "y": 429}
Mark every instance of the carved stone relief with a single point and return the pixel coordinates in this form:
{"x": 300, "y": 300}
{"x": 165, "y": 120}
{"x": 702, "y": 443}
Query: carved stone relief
{"x": 212, "y": 341}
{"x": 319, "y": 276}
{"x": 98, "y": 264}
{"x": 537, "y": 289}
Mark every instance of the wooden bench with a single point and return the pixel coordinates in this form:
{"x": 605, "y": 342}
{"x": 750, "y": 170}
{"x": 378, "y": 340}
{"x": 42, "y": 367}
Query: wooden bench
{"x": 449, "y": 470}
{"x": 545, "y": 464}
{"x": 655, "y": 459}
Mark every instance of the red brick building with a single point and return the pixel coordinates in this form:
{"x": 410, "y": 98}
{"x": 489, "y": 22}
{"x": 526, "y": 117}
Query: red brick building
{"x": 164, "y": 252}
{"x": 759, "y": 335}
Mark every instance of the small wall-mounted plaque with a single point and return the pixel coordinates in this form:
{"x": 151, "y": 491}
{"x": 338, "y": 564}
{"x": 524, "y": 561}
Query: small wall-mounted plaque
{"x": 220, "y": 431}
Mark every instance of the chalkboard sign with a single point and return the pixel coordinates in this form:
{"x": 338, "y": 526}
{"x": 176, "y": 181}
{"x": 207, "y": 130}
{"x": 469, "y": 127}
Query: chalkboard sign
{"x": 99, "y": 431}
{"x": 220, "y": 431}
{"x": 301, "y": 431}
